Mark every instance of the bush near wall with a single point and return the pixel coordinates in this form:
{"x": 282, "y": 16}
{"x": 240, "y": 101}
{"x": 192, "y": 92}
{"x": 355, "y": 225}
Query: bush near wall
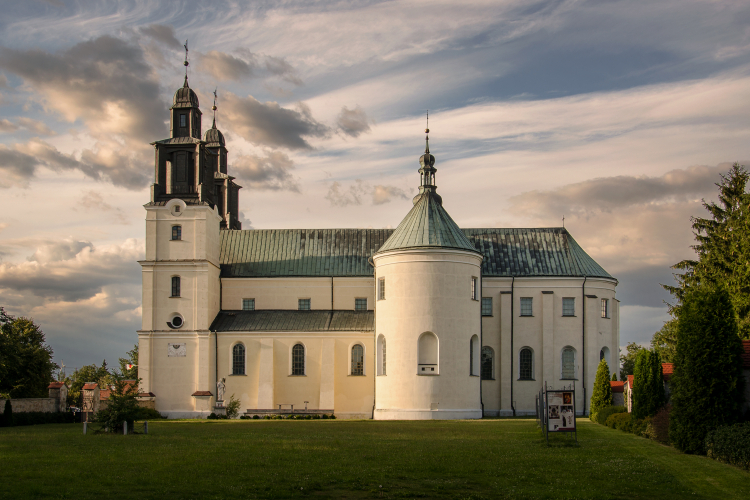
{"x": 602, "y": 416}
{"x": 39, "y": 417}
{"x": 730, "y": 444}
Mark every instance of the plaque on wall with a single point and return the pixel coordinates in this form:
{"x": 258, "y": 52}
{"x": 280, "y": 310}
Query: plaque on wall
{"x": 176, "y": 350}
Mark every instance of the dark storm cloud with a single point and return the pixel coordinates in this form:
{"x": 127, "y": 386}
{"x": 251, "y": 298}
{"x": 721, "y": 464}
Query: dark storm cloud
{"x": 271, "y": 172}
{"x": 268, "y": 124}
{"x": 612, "y": 193}
{"x": 277, "y": 66}
{"x": 353, "y": 122}
{"x": 161, "y": 33}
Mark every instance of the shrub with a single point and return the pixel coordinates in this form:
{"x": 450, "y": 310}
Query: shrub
{"x": 147, "y": 414}
{"x": 730, "y": 444}
{"x": 660, "y": 425}
{"x": 7, "y": 420}
{"x": 256, "y": 417}
{"x": 602, "y": 416}
{"x": 620, "y": 421}
{"x": 233, "y": 407}
{"x": 39, "y": 417}
{"x": 640, "y": 427}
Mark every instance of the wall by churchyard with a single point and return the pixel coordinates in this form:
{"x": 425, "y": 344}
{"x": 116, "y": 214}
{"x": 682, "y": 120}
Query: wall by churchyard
{"x": 46, "y": 405}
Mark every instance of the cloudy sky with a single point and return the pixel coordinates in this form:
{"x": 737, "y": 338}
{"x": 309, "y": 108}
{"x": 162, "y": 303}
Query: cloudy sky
{"x": 619, "y": 115}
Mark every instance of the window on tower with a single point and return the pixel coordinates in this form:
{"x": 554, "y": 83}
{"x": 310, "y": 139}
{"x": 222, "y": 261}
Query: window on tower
{"x": 175, "y": 286}
{"x": 303, "y": 304}
{"x": 176, "y": 232}
{"x": 183, "y": 121}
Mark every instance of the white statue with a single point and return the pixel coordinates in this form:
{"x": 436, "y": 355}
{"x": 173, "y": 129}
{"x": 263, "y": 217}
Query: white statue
{"x": 220, "y": 390}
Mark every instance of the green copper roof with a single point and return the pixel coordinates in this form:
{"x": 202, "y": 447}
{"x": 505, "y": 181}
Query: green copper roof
{"x": 345, "y": 252}
{"x": 427, "y": 225}
{"x": 294, "y": 321}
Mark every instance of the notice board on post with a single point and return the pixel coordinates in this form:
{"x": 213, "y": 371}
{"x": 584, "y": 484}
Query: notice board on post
{"x": 556, "y": 410}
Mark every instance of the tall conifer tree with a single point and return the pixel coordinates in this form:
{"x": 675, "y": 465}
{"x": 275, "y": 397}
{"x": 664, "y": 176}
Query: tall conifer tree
{"x": 707, "y": 383}
{"x": 601, "y": 397}
{"x": 648, "y": 385}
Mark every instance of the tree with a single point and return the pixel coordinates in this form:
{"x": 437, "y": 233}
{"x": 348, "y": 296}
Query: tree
{"x": 601, "y": 397}
{"x": 707, "y": 384}
{"x": 664, "y": 342}
{"x": 614, "y": 376}
{"x": 722, "y": 248}
{"x": 26, "y": 365}
{"x": 648, "y": 385}
{"x": 628, "y": 360}
{"x": 132, "y": 359}
{"x": 7, "y": 419}
{"x": 233, "y": 407}
{"x": 122, "y": 406}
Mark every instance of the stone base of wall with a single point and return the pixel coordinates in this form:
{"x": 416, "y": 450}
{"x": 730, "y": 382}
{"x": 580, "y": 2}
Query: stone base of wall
{"x": 45, "y": 405}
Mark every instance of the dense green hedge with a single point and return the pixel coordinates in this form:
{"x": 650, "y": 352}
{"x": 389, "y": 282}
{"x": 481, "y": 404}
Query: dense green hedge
{"x": 730, "y": 444}
{"x": 602, "y": 415}
{"x": 39, "y": 417}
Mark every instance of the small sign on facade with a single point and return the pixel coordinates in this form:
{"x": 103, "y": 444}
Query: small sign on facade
{"x": 176, "y": 350}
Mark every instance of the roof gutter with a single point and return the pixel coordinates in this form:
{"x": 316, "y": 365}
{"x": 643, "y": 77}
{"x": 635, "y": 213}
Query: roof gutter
{"x": 512, "y": 355}
{"x": 583, "y": 343}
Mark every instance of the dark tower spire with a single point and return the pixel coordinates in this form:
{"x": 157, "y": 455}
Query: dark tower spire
{"x": 427, "y": 171}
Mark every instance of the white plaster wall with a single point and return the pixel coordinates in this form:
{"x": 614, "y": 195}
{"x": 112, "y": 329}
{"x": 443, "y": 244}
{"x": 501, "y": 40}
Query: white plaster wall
{"x": 427, "y": 291}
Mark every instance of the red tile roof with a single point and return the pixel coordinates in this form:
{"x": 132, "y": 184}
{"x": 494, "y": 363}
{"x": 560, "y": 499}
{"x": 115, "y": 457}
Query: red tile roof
{"x": 666, "y": 370}
{"x": 146, "y": 395}
{"x": 617, "y": 385}
{"x": 630, "y": 381}
{"x": 104, "y": 394}
{"x": 746, "y": 354}
{"x": 202, "y": 393}
{"x": 55, "y": 385}
{"x": 90, "y": 386}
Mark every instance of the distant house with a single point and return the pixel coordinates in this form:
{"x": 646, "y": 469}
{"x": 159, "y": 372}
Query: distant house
{"x": 618, "y": 392}
{"x": 145, "y": 399}
{"x": 667, "y": 369}
{"x": 628, "y": 393}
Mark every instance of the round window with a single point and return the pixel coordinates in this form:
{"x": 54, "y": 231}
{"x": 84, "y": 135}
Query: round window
{"x": 176, "y": 321}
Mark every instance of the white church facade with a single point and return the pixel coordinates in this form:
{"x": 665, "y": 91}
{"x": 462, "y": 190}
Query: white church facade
{"x": 427, "y": 321}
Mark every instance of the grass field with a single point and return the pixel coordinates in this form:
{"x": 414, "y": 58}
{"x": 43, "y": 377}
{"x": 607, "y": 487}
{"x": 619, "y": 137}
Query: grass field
{"x": 353, "y": 459}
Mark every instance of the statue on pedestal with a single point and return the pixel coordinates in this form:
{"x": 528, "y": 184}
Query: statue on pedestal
{"x": 220, "y": 386}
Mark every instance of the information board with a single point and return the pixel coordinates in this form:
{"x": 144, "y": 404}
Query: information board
{"x": 560, "y": 412}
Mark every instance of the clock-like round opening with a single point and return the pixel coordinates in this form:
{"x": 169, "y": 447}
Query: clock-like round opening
{"x": 176, "y": 321}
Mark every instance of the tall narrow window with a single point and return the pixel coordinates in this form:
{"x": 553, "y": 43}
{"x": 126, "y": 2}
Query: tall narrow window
{"x": 175, "y": 286}
{"x": 381, "y": 289}
{"x": 183, "y": 120}
{"x": 248, "y": 304}
{"x": 526, "y": 364}
{"x": 488, "y": 362}
{"x": 381, "y": 355}
{"x": 527, "y": 306}
{"x": 360, "y": 304}
{"x": 358, "y": 360}
{"x": 176, "y": 232}
{"x": 303, "y": 304}
{"x": 298, "y": 359}
{"x": 605, "y": 308}
{"x": 427, "y": 354}
{"x": 486, "y": 306}
{"x": 474, "y": 356}
{"x": 474, "y": 289}
{"x": 238, "y": 359}
{"x": 568, "y": 363}
{"x": 569, "y": 306}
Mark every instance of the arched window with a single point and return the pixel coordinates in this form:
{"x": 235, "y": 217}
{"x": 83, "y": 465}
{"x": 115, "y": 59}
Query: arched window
{"x": 474, "y": 356}
{"x": 604, "y": 355}
{"x": 298, "y": 359}
{"x": 358, "y": 360}
{"x": 568, "y": 363}
{"x": 488, "y": 363}
{"x": 238, "y": 359}
{"x": 526, "y": 364}
{"x": 381, "y": 355}
{"x": 175, "y": 286}
{"x": 427, "y": 354}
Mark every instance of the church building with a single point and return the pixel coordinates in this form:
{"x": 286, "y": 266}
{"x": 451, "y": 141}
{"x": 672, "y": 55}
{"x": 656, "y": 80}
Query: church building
{"x": 427, "y": 321}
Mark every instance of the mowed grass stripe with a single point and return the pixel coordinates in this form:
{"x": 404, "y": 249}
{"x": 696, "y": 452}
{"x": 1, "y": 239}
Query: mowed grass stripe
{"x": 353, "y": 459}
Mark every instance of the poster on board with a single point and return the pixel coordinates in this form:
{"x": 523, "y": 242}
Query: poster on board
{"x": 560, "y": 412}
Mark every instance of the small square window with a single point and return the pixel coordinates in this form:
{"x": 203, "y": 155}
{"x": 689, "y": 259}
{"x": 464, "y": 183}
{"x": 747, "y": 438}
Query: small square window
{"x": 486, "y": 306}
{"x": 381, "y": 289}
{"x": 360, "y": 304}
{"x": 474, "y": 293}
{"x": 248, "y": 304}
{"x": 605, "y": 308}
{"x": 303, "y": 304}
{"x": 527, "y": 306}
{"x": 569, "y": 306}
{"x": 176, "y": 232}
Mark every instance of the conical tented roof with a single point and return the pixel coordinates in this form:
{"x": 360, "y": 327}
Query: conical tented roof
{"x": 428, "y": 225}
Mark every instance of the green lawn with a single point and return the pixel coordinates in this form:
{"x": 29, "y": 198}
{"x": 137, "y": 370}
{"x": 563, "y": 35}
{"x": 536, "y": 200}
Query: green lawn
{"x": 353, "y": 459}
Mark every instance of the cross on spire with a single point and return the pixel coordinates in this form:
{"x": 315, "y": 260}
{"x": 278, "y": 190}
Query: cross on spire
{"x": 427, "y": 131}
{"x": 186, "y": 63}
{"x": 214, "y": 106}
{"x": 563, "y": 222}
